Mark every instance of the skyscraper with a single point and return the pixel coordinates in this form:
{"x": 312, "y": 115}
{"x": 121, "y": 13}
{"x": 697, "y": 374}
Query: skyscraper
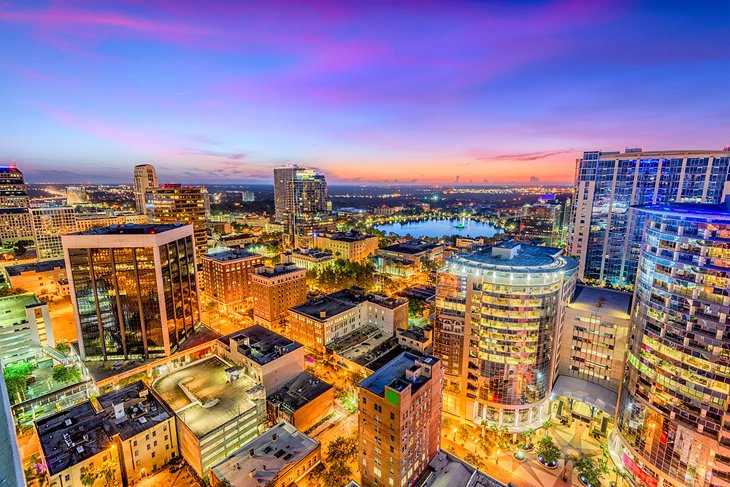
{"x": 134, "y": 289}
{"x": 300, "y": 199}
{"x": 13, "y": 193}
{"x": 145, "y": 178}
{"x": 673, "y": 414}
{"x": 399, "y": 417}
{"x": 175, "y": 203}
{"x": 602, "y": 237}
{"x": 496, "y": 332}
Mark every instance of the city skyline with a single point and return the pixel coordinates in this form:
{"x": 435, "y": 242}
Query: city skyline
{"x": 367, "y": 93}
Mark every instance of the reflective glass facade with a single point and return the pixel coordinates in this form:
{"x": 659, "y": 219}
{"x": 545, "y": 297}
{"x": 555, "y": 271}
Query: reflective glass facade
{"x": 602, "y": 235}
{"x": 672, "y": 414}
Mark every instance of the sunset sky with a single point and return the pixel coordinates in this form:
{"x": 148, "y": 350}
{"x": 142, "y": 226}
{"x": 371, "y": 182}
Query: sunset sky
{"x": 366, "y": 91}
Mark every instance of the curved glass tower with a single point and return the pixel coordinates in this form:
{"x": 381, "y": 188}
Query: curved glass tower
{"x": 673, "y": 421}
{"x": 497, "y": 318}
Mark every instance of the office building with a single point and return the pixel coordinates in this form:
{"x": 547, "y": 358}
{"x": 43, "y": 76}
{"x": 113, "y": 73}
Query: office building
{"x": 76, "y": 195}
{"x": 407, "y": 258}
{"x": 226, "y": 278}
{"x": 87, "y": 221}
{"x": 275, "y": 290}
{"x": 280, "y": 457}
{"x": 496, "y": 331}
{"x": 311, "y": 260}
{"x": 13, "y": 192}
{"x": 603, "y": 237}
{"x": 15, "y": 224}
{"x": 49, "y": 224}
{"x": 10, "y": 464}
{"x": 144, "y": 179}
{"x": 353, "y": 246}
{"x": 399, "y": 416}
{"x": 546, "y": 220}
{"x": 322, "y": 321}
{"x": 142, "y": 429}
{"x": 47, "y": 277}
{"x": 134, "y": 289}
{"x": 25, "y": 326}
{"x": 673, "y": 408}
{"x": 174, "y": 203}
{"x": 303, "y": 401}
{"x": 218, "y": 408}
{"x": 265, "y": 356}
{"x": 300, "y": 200}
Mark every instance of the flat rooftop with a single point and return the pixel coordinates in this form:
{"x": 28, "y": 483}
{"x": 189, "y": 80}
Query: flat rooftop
{"x": 411, "y": 247}
{"x": 131, "y": 229}
{"x": 606, "y": 302}
{"x": 12, "y": 308}
{"x": 278, "y": 270}
{"x": 341, "y": 301}
{"x": 273, "y": 452}
{"x": 525, "y": 258}
{"x": 414, "y": 334}
{"x": 142, "y": 410}
{"x": 349, "y": 236}
{"x": 261, "y": 345}
{"x": 43, "y": 266}
{"x": 393, "y": 374}
{"x": 203, "y": 397}
{"x": 230, "y": 255}
{"x": 298, "y": 392}
{"x": 447, "y": 470}
{"x": 72, "y": 436}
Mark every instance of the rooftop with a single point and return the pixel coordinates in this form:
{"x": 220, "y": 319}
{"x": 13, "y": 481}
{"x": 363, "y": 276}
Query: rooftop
{"x": 133, "y": 409}
{"x": 43, "y": 266}
{"x": 298, "y": 392}
{"x": 279, "y": 270}
{"x": 330, "y": 305}
{"x": 447, "y": 470}
{"x": 231, "y": 255}
{"x": 130, "y": 229}
{"x": 515, "y": 256}
{"x": 12, "y": 308}
{"x": 204, "y": 397}
{"x": 606, "y": 302}
{"x": 273, "y": 452}
{"x": 395, "y": 375}
{"x": 261, "y": 345}
{"x": 13, "y": 211}
{"x": 352, "y": 236}
{"x": 411, "y": 247}
{"x": 72, "y": 436}
{"x": 416, "y": 334}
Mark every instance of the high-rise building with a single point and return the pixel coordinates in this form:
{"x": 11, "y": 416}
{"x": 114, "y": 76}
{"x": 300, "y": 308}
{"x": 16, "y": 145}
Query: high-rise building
{"x": 13, "y": 193}
{"x": 545, "y": 220}
{"x": 145, "y": 178}
{"x": 673, "y": 414}
{"x": 133, "y": 289}
{"x": 49, "y": 224}
{"x": 10, "y": 463}
{"x": 15, "y": 225}
{"x": 602, "y": 237}
{"x": 496, "y": 332}
{"x": 174, "y": 203}
{"x": 399, "y": 417}
{"x": 226, "y": 278}
{"x": 275, "y": 290}
{"x": 300, "y": 199}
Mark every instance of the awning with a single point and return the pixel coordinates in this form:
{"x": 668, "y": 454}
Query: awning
{"x": 587, "y": 392}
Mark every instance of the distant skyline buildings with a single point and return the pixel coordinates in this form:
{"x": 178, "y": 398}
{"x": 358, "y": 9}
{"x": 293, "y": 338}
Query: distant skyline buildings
{"x": 300, "y": 200}
{"x": 144, "y": 178}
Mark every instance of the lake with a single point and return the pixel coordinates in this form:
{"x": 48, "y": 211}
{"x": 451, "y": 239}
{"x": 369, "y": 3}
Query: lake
{"x": 439, "y": 228}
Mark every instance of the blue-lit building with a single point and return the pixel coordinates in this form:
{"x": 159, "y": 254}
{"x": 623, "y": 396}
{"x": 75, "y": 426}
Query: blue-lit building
{"x": 673, "y": 412}
{"x": 604, "y": 236}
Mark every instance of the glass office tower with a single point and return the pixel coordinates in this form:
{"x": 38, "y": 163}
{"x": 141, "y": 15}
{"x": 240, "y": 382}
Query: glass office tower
{"x": 133, "y": 288}
{"x": 672, "y": 418}
{"x": 497, "y": 317}
{"x": 602, "y": 236}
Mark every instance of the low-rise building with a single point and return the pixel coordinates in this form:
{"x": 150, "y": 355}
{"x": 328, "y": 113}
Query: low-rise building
{"x": 87, "y": 221}
{"x": 49, "y": 224}
{"x": 303, "y": 401}
{"x": 218, "y": 409}
{"x": 275, "y": 290}
{"x": 237, "y": 240}
{"x": 319, "y": 322}
{"x": 265, "y": 356}
{"x": 41, "y": 278}
{"x": 226, "y": 278}
{"x": 25, "y": 324}
{"x": 353, "y": 246}
{"x": 405, "y": 259}
{"x": 450, "y": 470}
{"x": 280, "y": 457}
{"x": 15, "y": 225}
{"x": 310, "y": 259}
{"x": 142, "y": 428}
{"x": 419, "y": 340}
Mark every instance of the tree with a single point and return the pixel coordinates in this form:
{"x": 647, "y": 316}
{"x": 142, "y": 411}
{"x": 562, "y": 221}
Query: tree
{"x": 16, "y": 378}
{"x": 355, "y": 378}
{"x": 342, "y": 449}
{"x": 67, "y": 374}
{"x": 63, "y": 347}
{"x": 335, "y": 471}
{"x": 547, "y": 450}
{"x": 588, "y": 470}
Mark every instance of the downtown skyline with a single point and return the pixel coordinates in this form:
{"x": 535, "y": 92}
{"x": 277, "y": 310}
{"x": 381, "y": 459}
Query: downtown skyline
{"x": 368, "y": 93}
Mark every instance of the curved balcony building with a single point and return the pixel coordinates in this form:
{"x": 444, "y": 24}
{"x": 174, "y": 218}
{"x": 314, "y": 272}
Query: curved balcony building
{"x": 497, "y": 318}
{"x": 673, "y": 420}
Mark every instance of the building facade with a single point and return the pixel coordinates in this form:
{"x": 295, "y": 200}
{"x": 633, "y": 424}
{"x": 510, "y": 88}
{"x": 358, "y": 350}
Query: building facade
{"x": 49, "y": 224}
{"x": 602, "y": 236}
{"x": 546, "y": 220}
{"x": 226, "y": 278}
{"x": 134, "y": 289}
{"x": 13, "y": 192}
{"x": 399, "y": 418}
{"x": 41, "y": 278}
{"x": 352, "y": 246}
{"x": 673, "y": 408}
{"x": 300, "y": 200}
{"x": 144, "y": 179}
{"x": 275, "y": 290}
{"x": 496, "y": 331}
{"x": 174, "y": 203}
{"x": 15, "y": 224}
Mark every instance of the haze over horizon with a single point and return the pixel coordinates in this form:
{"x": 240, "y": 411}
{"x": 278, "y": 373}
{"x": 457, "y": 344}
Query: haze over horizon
{"x": 368, "y": 93}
